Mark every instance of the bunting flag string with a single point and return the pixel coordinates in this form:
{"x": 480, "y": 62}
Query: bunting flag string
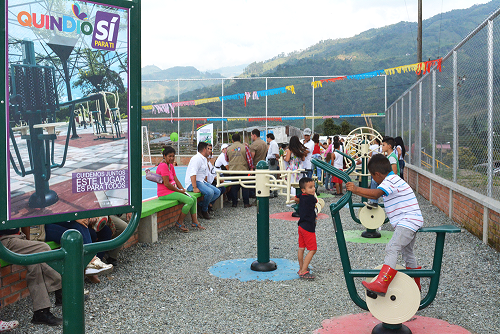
{"x": 270, "y": 92}
{"x": 183, "y": 103}
{"x": 404, "y": 69}
{"x": 333, "y": 79}
{"x": 291, "y": 89}
{"x": 209, "y": 100}
{"x": 365, "y": 75}
{"x": 260, "y": 119}
{"x": 232, "y": 97}
{"x": 427, "y": 65}
{"x": 317, "y": 84}
{"x": 418, "y": 68}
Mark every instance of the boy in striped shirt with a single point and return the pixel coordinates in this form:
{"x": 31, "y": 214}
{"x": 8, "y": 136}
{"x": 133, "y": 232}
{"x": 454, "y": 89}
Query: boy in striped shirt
{"x": 404, "y": 214}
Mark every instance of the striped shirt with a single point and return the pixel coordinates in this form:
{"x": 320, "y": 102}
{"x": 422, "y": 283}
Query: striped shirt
{"x": 400, "y": 203}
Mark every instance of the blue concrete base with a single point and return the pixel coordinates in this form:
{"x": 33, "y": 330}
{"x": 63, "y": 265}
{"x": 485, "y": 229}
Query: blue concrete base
{"x": 240, "y": 269}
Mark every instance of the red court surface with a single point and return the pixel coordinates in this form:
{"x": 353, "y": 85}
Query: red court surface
{"x": 85, "y": 140}
{"x": 363, "y": 323}
{"x": 288, "y": 216}
{"x": 68, "y": 202}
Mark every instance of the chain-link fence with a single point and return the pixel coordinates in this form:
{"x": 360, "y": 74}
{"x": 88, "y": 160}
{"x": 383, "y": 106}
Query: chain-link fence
{"x": 449, "y": 120}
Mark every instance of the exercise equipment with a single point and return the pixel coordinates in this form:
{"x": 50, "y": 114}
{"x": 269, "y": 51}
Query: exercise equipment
{"x": 263, "y": 181}
{"x": 399, "y": 301}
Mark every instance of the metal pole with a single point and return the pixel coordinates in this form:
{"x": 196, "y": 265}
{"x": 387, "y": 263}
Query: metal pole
{"x": 402, "y": 117}
{"x": 433, "y": 121}
{"x": 262, "y": 192}
{"x": 178, "y": 115}
{"x": 419, "y": 37}
{"x": 385, "y": 91}
{"x": 396, "y": 121}
{"x": 419, "y": 156}
{"x": 490, "y": 108}
{"x": 313, "y": 107}
{"x": 222, "y": 120}
{"x": 72, "y": 283}
{"x": 455, "y": 117}
{"x": 266, "y": 108}
{"x": 411, "y": 159}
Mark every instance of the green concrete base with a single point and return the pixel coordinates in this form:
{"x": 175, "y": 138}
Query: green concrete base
{"x": 355, "y": 236}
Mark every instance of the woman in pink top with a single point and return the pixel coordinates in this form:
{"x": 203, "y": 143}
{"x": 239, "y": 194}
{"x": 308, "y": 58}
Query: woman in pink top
{"x": 171, "y": 188}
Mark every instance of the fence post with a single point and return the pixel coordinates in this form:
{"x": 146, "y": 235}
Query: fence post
{"x": 402, "y": 118}
{"x": 396, "y": 121}
{"x": 419, "y": 156}
{"x": 490, "y": 108}
{"x": 411, "y": 159}
{"x": 433, "y": 136}
{"x": 455, "y": 117}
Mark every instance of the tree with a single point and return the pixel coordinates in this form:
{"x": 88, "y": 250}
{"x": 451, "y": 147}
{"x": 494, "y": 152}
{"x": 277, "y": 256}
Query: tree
{"x": 345, "y": 128}
{"x": 330, "y": 128}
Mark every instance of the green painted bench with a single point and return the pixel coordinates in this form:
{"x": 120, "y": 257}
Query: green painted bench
{"x": 52, "y": 245}
{"x": 156, "y": 205}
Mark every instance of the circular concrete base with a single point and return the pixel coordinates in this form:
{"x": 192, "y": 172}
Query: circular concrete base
{"x": 363, "y": 323}
{"x": 240, "y": 269}
{"x": 288, "y": 216}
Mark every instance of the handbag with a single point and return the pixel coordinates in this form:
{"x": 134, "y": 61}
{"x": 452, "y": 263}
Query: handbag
{"x": 150, "y": 176}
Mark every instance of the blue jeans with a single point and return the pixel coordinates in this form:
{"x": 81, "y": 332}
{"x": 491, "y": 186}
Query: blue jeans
{"x": 54, "y": 232}
{"x": 209, "y": 192}
{"x": 318, "y": 170}
{"x": 373, "y": 185}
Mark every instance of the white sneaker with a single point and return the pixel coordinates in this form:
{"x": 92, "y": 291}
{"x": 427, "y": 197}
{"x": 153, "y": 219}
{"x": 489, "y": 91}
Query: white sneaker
{"x": 98, "y": 267}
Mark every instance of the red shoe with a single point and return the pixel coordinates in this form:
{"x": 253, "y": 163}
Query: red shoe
{"x": 384, "y": 278}
{"x": 417, "y": 279}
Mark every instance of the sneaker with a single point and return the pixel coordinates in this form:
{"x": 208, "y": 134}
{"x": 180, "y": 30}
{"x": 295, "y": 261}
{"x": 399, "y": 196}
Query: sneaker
{"x": 8, "y": 325}
{"x": 44, "y": 317}
{"x": 371, "y": 205}
{"x": 98, "y": 267}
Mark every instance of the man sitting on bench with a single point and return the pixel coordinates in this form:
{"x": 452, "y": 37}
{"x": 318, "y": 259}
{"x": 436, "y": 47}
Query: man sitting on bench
{"x": 41, "y": 278}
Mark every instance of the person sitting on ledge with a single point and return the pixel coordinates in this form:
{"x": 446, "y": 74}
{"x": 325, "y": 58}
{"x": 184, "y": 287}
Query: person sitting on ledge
{"x": 41, "y": 278}
{"x": 196, "y": 178}
{"x": 171, "y": 188}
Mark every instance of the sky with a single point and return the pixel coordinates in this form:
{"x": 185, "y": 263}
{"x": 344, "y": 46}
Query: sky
{"x": 213, "y": 34}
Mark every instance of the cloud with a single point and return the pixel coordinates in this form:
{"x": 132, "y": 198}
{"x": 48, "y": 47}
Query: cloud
{"x": 220, "y": 33}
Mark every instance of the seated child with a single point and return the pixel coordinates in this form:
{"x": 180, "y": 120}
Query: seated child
{"x": 402, "y": 209}
{"x": 307, "y": 225}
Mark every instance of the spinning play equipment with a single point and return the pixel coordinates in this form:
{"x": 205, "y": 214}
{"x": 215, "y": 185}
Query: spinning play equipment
{"x": 370, "y": 218}
{"x": 402, "y": 299}
{"x": 263, "y": 181}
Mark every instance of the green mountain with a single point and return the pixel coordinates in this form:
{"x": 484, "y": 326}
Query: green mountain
{"x": 375, "y": 49}
{"x": 153, "y": 91}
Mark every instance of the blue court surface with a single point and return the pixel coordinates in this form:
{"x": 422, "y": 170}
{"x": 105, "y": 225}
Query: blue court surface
{"x": 240, "y": 269}
{"x": 149, "y": 187}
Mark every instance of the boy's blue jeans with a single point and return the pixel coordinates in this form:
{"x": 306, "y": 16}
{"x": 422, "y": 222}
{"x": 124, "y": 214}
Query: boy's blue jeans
{"x": 373, "y": 185}
{"x": 209, "y": 192}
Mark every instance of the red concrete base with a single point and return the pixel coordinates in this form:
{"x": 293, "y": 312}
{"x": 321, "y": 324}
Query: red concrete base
{"x": 288, "y": 216}
{"x": 363, "y": 323}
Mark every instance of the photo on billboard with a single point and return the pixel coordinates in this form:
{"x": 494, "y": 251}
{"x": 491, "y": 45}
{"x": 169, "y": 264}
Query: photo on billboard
{"x": 67, "y": 89}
